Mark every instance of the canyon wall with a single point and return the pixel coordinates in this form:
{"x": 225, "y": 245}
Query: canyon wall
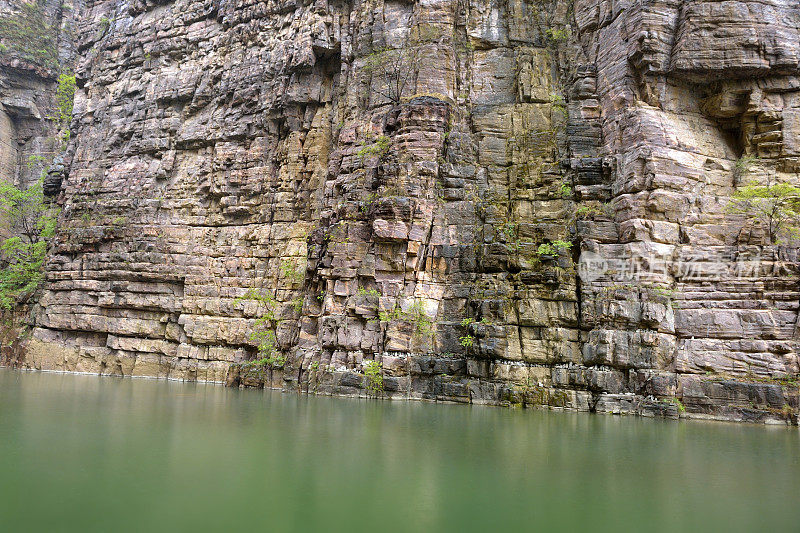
{"x": 35, "y": 41}
{"x": 536, "y": 215}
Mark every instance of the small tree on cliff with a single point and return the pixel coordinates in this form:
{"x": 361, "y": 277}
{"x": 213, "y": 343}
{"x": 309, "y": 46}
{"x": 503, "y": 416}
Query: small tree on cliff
{"x": 26, "y": 224}
{"x": 65, "y": 97}
{"x": 394, "y": 70}
{"x": 263, "y": 333}
{"x": 774, "y": 207}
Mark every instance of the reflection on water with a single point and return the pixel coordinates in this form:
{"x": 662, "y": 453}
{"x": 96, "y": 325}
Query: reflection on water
{"x": 82, "y": 453}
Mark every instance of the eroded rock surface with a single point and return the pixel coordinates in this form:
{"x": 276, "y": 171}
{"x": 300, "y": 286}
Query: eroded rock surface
{"x": 35, "y": 43}
{"x": 222, "y": 147}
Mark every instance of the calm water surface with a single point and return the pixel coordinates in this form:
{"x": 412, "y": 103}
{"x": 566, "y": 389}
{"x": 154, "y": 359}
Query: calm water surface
{"x": 82, "y": 453}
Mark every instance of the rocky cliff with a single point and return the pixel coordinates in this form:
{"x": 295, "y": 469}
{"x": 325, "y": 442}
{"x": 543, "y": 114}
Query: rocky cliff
{"x": 499, "y": 202}
{"x": 35, "y": 41}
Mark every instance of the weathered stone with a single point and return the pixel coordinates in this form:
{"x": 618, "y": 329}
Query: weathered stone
{"x": 220, "y": 149}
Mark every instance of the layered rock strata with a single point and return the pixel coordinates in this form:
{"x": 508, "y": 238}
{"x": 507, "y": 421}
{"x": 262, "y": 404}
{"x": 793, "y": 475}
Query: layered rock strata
{"x": 536, "y": 215}
{"x": 36, "y": 50}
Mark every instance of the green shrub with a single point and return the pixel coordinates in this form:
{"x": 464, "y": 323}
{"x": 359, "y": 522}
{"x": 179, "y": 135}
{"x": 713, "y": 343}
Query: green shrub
{"x": 509, "y": 231}
{"x": 271, "y": 361}
{"x": 371, "y": 292}
{"x": 30, "y": 223}
{"x": 263, "y": 334}
{"x": 65, "y": 97}
{"x": 388, "y": 316}
{"x": 373, "y": 371}
{"x": 292, "y": 271}
{"x": 556, "y": 34}
{"x": 34, "y": 160}
{"x": 416, "y": 315}
{"x": 675, "y": 401}
{"x": 775, "y": 207}
{"x": 595, "y": 209}
{"x": 379, "y": 147}
{"x": 552, "y": 248}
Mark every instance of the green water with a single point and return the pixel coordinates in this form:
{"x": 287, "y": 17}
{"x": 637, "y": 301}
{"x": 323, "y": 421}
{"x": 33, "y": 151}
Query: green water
{"x": 83, "y": 453}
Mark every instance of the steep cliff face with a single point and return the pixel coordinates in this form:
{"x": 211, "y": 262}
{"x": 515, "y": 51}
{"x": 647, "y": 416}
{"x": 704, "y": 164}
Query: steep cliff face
{"x": 35, "y": 44}
{"x": 36, "y": 53}
{"x": 498, "y": 201}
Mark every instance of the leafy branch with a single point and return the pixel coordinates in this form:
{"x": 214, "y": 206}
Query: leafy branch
{"x": 263, "y": 334}
{"x": 775, "y": 207}
{"x": 31, "y": 223}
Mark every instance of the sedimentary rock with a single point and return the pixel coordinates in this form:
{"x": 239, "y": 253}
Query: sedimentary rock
{"x": 226, "y": 149}
{"x": 35, "y": 41}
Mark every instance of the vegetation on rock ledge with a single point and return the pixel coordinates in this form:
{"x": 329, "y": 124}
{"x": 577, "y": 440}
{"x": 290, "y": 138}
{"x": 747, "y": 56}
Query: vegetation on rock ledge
{"x": 28, "y": 223}
{"x": 65, "y": 96}
{"x": 263, "y": 333}
{"x": 775, "y": 207}
{"x": 372, "y": 370}
{"x": 26, "y": 35}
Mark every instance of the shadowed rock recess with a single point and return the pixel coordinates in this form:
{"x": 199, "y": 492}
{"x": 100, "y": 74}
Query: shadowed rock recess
{"x": 222, "y": 149}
